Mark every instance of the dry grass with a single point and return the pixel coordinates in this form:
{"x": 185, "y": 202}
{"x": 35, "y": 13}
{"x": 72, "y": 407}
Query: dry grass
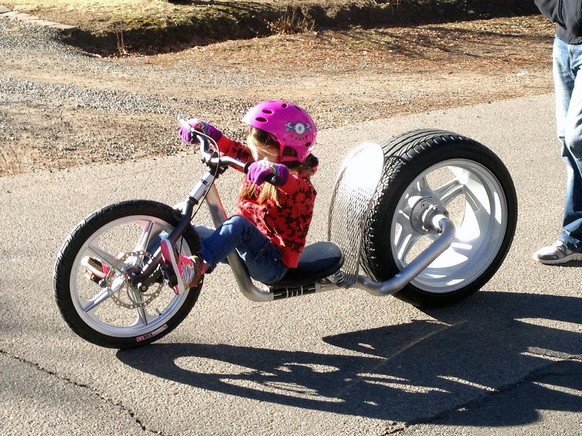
{"x": 100, "y": 15}
{"x": 181, "y": 23}
{"x": 292, "y": 21}
{"x": 342, "y": 76}
{"x": 133, "y": 8}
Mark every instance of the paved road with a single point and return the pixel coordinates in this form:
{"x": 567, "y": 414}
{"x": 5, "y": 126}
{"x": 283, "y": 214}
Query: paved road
{"x": 507, "y": 361}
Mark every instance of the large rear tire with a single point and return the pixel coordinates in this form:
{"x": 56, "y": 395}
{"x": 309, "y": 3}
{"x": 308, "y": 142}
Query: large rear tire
{"x": 476, "y": 189}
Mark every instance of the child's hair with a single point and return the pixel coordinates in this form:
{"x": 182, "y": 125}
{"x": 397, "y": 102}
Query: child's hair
{"x": 263, "y": 141}
{"x": 260, "y": 137}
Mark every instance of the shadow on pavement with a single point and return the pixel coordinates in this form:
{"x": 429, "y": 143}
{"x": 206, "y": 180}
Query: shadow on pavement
{"x": 471, "y": 353}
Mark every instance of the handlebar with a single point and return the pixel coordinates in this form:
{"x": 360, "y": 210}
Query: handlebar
{"x": 212, "y": 157}
{"x": 209, "y": 156}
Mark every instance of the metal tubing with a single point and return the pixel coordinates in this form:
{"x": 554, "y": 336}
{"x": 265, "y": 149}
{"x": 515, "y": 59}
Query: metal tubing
{"x": 215, "y": 207}
{"x": 415, "y": 267}
{"x": 244, "y": 281}
{"x": 439, "y": 221}
{"x": 237, "y": 266}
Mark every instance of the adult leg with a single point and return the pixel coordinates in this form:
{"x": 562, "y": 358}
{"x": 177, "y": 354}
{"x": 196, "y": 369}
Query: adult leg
{"x": 563, "y": 250}
{"x": 568, "y": 112}
{"x": 570, "y": 131}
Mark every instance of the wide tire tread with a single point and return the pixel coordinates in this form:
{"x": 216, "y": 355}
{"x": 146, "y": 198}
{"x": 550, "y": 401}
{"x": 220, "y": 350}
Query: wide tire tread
{"x": 398, "y": 153}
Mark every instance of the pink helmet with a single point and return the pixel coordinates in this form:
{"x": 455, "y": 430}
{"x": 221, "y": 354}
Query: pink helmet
{"x": 290, "y": 125}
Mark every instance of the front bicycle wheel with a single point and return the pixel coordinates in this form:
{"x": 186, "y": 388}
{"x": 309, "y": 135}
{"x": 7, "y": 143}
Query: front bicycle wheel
{"x": 111, "y": 312}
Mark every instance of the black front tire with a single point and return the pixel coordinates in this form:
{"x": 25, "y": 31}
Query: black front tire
{"x": 125, "y": 319}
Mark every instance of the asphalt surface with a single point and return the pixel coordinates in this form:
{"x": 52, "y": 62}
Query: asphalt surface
{"x": 505, "y": 361}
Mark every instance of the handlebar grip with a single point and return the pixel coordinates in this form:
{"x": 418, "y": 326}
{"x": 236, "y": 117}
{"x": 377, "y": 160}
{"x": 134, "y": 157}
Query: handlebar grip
{"x": 202, "y": 139}
{"x": 184, "y": 123}
{"x": 272, "y": 178}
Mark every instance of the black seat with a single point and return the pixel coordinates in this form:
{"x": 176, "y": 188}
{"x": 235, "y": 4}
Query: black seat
{"x": 317, "y": 261}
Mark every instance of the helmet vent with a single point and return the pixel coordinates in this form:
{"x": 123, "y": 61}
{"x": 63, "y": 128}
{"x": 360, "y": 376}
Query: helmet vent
{"x": 288, "y": 151}
{"x": 267, "y": 111}
{"x": 261, "y": 119}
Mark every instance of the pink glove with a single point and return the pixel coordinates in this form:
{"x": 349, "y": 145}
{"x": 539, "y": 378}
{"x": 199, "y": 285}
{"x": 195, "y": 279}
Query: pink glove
{"x": 200, "y": 126}
{"x": 276, "y": 174}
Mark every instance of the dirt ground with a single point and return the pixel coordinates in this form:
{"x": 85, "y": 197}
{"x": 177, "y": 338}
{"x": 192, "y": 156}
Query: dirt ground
{"x": 341, "y": 77}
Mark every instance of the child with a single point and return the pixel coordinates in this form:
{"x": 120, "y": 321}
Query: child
{"x": 272, "y": 220}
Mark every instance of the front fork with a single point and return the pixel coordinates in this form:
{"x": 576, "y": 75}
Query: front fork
{"x": 150, "y": 273}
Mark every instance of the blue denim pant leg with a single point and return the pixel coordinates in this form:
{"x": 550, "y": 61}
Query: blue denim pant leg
{"x": 204, "y": 232}
{"x": 567, "y": 60}
{"x": 261, "y": 256}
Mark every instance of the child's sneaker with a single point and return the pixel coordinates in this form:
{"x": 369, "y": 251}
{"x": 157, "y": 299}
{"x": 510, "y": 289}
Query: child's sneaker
{"x": 188, "y": 271}
{"x": 96, "y": 270}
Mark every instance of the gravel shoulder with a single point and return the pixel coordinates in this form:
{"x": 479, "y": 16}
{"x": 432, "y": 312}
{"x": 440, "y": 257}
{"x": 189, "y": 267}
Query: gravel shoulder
{"x": 61, "y": 107}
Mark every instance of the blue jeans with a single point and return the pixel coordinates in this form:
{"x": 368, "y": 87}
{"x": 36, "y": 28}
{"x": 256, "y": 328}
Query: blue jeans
{"x": 567, "y": 60}
{"x": 261, "y": 256}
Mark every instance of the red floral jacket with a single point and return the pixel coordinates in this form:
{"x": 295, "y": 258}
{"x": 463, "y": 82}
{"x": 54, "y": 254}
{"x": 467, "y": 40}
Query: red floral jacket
{"x": 285, "y": 226}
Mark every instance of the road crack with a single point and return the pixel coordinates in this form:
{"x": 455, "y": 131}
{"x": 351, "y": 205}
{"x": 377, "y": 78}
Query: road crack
{"x": 94, "y": 392}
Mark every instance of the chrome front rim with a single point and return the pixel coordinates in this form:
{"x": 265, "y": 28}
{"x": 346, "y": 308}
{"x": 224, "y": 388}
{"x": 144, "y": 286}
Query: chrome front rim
{"x": 115, "y": 307}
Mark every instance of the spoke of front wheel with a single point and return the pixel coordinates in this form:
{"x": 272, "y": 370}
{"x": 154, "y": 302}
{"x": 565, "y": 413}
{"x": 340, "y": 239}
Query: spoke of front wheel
{"x": 142, "y": 316}
{"x": 96, "y": 301}
{"x": 104, "y": 256}
{"x": 144, "y": 239}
